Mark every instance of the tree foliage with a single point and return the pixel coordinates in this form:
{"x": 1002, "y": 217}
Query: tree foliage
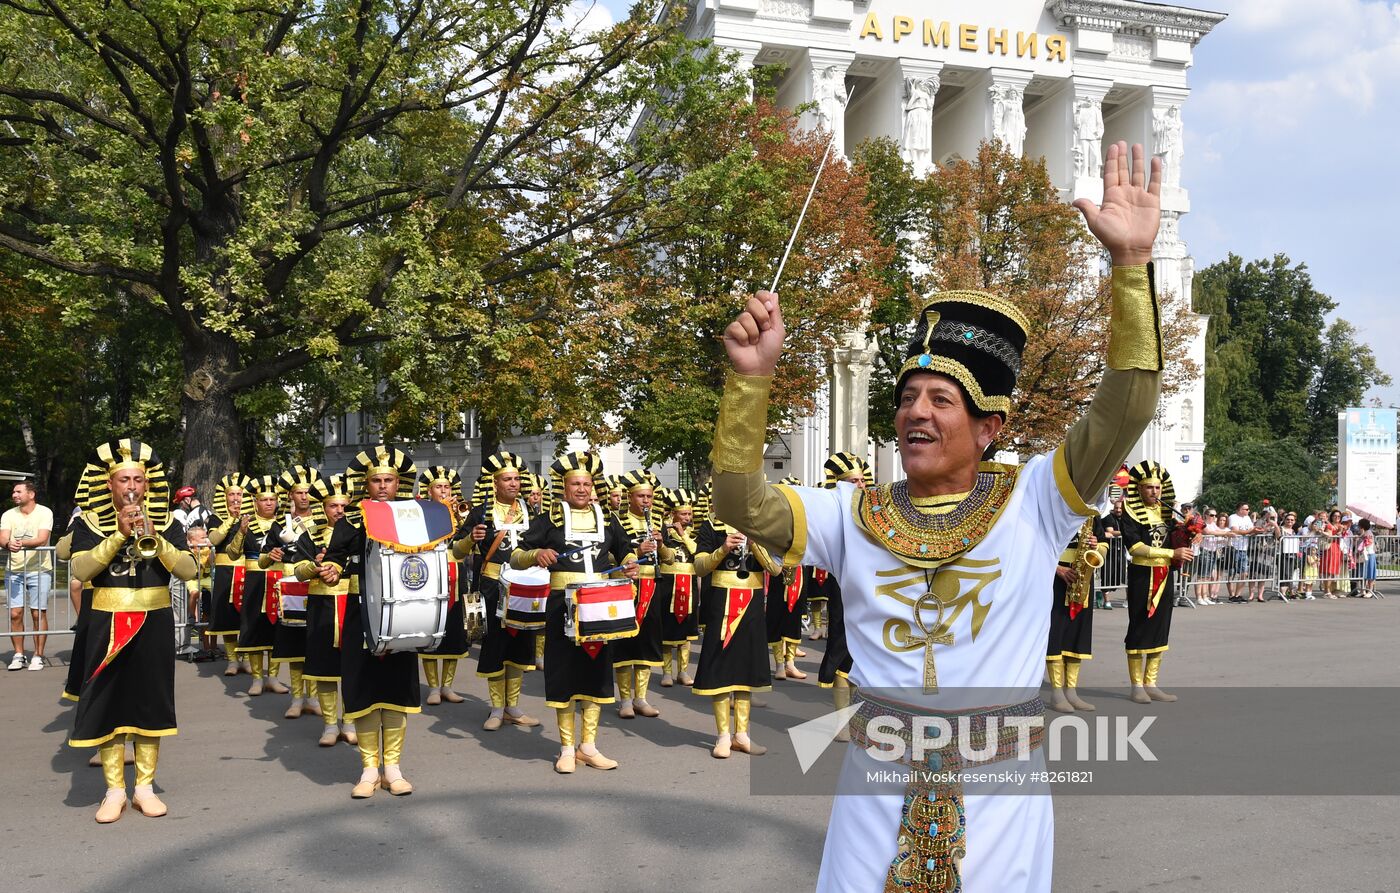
{"x": 1275, "y": 368}
{"x": 1282, "y": 471}
{"x": 997, "y": 224}
{"x": 328, "y": 184}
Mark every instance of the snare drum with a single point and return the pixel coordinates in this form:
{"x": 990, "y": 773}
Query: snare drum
{"x": 524, "y": 595}
{"x": 405, "y": 598}
{"x": 600, "y": 611}
{"x": 291, "y": 602}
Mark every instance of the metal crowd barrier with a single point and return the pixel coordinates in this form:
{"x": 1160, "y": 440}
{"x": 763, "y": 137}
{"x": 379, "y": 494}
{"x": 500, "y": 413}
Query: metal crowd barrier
{"x": 1282, "y": 567}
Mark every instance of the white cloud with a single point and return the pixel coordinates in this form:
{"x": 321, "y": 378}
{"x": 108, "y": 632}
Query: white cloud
{"x": 588, "y": 16}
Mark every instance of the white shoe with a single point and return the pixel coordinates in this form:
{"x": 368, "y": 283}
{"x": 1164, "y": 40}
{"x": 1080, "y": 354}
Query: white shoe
{"x": 19, "y": 661}
{"x": 37, "y": 663}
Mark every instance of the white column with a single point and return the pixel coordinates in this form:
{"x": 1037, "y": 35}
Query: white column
{"x": 1086, "y": 137}
{"x": 1006, "y": 116}
{"x": 748, "y": 51}
{"x": 1167, "y": 144}
{"x": 921, "y": 80}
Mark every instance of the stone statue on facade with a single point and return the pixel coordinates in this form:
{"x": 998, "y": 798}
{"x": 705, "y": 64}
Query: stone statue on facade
{"x": 1008, "y": 117}
{"x": 1167, "y": 143}
{"x": 918, "y": 123}
{"x": 829, "y": 93}
{"x": 1088, "y": 138}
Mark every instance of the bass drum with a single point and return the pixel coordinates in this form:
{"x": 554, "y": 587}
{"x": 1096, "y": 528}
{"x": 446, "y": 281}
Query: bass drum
{"x": 404, "y": 598}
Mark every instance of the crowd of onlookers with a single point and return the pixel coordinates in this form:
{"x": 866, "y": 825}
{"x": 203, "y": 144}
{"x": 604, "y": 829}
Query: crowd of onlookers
{"x": 1243, "y": 555}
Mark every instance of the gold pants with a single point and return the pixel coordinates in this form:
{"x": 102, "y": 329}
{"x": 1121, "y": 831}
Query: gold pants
{"x": 114, "y": 753}
{"x": 505, "y": 688}
{"x": 1057, "y": 673}
{"x": 390, "y": 726}
{"x": 1071, "y": 672}
{"x": 1135, "y": 669}
{"x": 565, "y": 718}
{"x": 1154, "y": 664}
{"x": 255, "y": 663}
{"x": 326, "y": 696}
{"x": 430, "y": 671}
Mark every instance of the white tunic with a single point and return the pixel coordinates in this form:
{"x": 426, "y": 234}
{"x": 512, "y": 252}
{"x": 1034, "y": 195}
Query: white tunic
{"x": 1003, "y": 588}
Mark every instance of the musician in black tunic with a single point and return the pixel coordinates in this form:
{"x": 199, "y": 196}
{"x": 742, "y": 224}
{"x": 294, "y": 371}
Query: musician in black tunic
{"x": 442, "y": 484}
{"x": 634, "y": 658}
{"x": 227, "y": 523}
{"x": 1147, "y": 530}
{"x": 128, "y": 547}
{"x": 576, "y": 673}
{"x": 288, "y": 542}
{"x": 1072, "y": 616}
{"x": 678, "y": 587}
{"x": 494, "y": 529}
{"x": 786, "y": 603}
{"x": 257, "y": 632}
{"x": 734, "y": 650}
{"x": 379, "y": 692}
{"x": 325, "y": 611}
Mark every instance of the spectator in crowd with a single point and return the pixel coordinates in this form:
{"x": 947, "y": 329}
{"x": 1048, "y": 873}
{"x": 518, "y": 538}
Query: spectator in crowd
{"x": 1332, "y": 553}
{"x": 1112, "y": 522}
{"x": 188, "y": 510}
{"x": 1365, "y": 551}
{"x": 1289, "y": 564}
{"x": 1263, "y": 568}
{"x": 200, "y": 598}
{"x": 1116, "y": 562}
{"x": 1241, "y": 527}
{"x": 23, "y": 530}
{"x": 1311, "y": 545}
{"x": 1208, "y": 558}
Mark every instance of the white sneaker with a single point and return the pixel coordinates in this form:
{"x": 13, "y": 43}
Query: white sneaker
{"x": 37, "y": 663}
{"x": 18, "y": 661}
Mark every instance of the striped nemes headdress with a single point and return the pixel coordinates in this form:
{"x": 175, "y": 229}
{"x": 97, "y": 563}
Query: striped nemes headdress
{"x": 1147, "y": 472}
{"x": 840, "y": 466}
{"x": 381, "y": 460}
{"x": 298, "y": 476}
{"x": 323, "y": 490}
{"x": 572, "y": 465}
{"x": 109, "y": 458}
{"x": 234, "y": 480}
{"x": 439, "y": 474}
{"x": 263, "y": 484}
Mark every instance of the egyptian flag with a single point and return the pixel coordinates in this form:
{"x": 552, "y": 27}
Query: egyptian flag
{"x": 408, "y": 525}
{"x": 602, "y": 613}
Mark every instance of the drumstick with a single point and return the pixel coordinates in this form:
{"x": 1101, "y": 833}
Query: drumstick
{"x": 810, "y": 192}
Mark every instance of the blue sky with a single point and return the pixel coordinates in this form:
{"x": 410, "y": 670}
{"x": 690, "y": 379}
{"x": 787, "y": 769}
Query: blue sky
{"x": 1292, "y": 133}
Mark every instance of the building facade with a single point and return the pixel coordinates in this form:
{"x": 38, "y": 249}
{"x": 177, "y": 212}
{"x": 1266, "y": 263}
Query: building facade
{"x": 1061, "y": 80}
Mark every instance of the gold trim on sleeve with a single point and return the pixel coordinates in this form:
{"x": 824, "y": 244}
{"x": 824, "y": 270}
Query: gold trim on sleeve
{"x": 1068, "y": 492}
{"x": 743, "y": 424}
{"x": 799, "y": 526}
{"x": 1135, "y": 326}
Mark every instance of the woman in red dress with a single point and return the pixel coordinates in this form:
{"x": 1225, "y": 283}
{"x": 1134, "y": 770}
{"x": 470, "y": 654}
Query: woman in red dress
{"x": 1332, "y": 556}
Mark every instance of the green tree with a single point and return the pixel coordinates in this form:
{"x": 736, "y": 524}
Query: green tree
{"x": 1282, "y": 471}
{"x": 1274, "y": 367}
{"x": 286, "y": 184}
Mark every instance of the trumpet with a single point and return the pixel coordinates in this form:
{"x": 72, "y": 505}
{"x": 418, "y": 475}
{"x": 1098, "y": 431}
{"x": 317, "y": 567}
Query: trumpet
{"x": 146, "y": 545}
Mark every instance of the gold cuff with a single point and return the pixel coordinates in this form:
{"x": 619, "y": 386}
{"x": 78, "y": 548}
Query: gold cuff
{"x": 105, "y": 552}
{"x": 1135, "y": 327}
{"x": 743, "y": 424}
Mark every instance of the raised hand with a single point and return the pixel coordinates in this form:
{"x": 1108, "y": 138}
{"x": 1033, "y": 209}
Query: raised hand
{"x": 1126, "y": 223}
{"x": 754, "y": 340}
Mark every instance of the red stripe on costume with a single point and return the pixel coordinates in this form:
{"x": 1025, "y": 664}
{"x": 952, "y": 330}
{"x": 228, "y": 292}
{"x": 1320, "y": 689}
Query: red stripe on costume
{"x": 451, "y": 584}
{"x": 646, "y": 589}
{"x": 680, "y": 598}
{"x": 592, "y": 648}
{"x": 339, "y": 616}
{"x": 125, "y": 626}
{"x": 735, "y": 604}
{"x": 1159, "y": 583}
{"x": 239, "y": 581}
{"x": 794, "y": 589}
{"x": 270, "y": 589}
{"x": 819, "y": 575}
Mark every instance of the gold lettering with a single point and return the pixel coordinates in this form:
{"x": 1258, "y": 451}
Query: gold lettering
{"x": 903, "y": 27}
{"x": 871, "y": 26}
{"x": 1025, "y": 42}
{"x": 995, "y": 40}
{"x": 967, "y": 38}
{"x": 942, "y": 37}
{"x": 1055, "y": 47}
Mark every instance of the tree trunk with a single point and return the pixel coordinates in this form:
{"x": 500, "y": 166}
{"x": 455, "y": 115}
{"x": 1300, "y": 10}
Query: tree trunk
{"x": 490, "y": 435}
{"x": 213, "y": 427}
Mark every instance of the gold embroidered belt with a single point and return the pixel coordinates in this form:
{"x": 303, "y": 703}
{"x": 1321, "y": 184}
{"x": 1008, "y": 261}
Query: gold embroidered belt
{"x": 1150, "y": 562}
{"x": 222, "y": 560}
{"x": 733, "y": 580}
{"x": 115, "y": 599}
{"x": 677, "y": 570}
{"x": 491, "y": 570}
{"x": 933, "y": 820}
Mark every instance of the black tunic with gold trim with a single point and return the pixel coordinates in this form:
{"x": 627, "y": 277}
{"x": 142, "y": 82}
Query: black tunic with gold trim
{"x": 289, "y": 639}
{"x": 1072, "y": 626}
{"x": 367, "y": 682}
{"x": 128, "y": 642}
{"x": 256, "y": 631}
{"x": 734, "y": 651}
{"x": 224, "y": 618}
{"x": 836, "y": 660}
{"x": 325, "y": 610}
{"x": 73, "y": 683}
{"x": 678, "y": 588}
{"x": 787, "y": 602}
{"x": 500, "y": 647}
{"x": 574, "y": 672}
{"x": 1151, "y": 581}
{"x": 643, "y": 649}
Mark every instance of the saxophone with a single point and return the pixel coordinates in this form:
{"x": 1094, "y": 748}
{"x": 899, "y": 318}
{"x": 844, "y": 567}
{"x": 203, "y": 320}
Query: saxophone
{"x": 1089, "y": 560}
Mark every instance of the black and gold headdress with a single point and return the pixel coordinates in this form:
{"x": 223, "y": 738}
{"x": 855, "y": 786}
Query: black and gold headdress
{"x": 266, "y": 483}
{"x": 791, "y": 480}
{"x": 235, "y": 480}
{"x": 973, "y": 337}
{"x": 678, "y": 499}
{"x": 840, "y": 466}
{"x": 496, "y": 464}
{"x": 635, "y": 479}
{"x": 107, "y": 460}
{"x": 381, "y": 460}
{"x": 437, "y": 474}
{"x": 298, "y": 476}
{"x": 1147, "y": 472}
{"x": 324, "y": 489}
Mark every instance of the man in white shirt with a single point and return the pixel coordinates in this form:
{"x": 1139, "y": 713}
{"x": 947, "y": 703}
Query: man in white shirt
{"x": 23, "y": 530}
{"x": 1241, "y": 525}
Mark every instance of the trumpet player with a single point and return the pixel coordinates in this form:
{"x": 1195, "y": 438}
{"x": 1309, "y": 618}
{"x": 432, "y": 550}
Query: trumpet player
{"x": 256, "y": 633}
{"x": 442, "y": 484}
{"x": 1072, "y": 615}
{"x": 128, "y": 548}
{"x": 289, "y": 540}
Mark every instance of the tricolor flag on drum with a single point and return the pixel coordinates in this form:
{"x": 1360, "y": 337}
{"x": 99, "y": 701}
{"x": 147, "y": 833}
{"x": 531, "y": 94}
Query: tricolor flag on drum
{"x": 603, "y": 610}
{"x": 408, "y": 525}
